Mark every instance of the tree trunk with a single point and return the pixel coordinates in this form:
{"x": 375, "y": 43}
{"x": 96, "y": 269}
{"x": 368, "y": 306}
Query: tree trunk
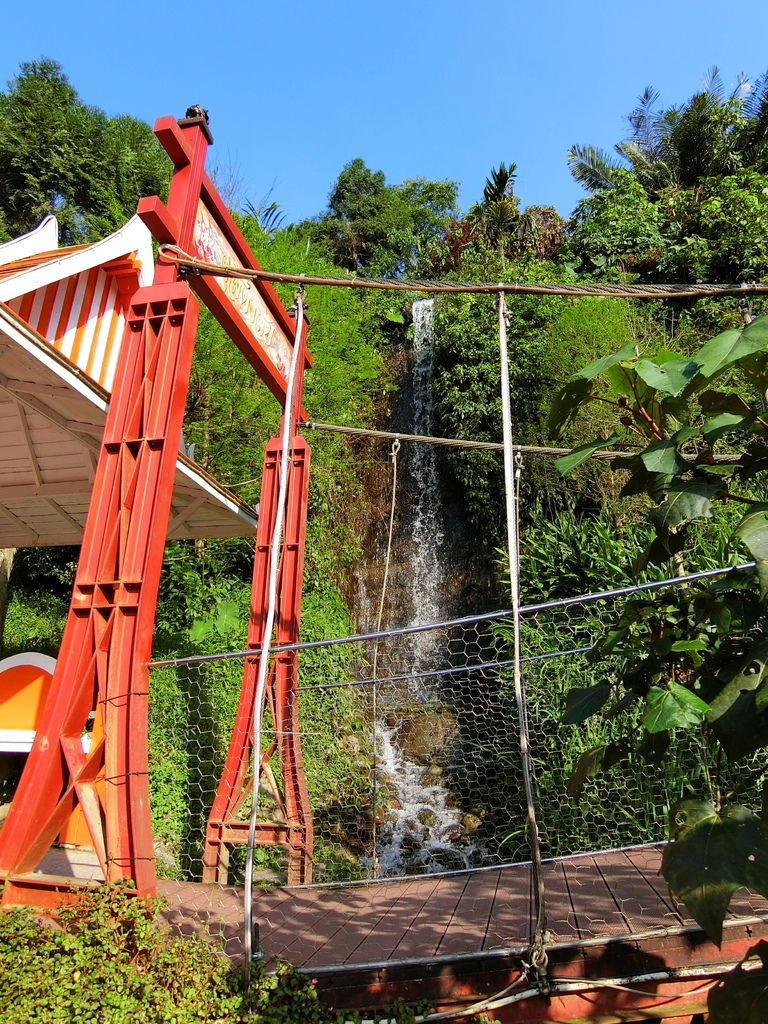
{"x": 6, "y": 563}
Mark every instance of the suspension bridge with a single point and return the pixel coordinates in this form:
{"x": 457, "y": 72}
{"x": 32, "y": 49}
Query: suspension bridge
{"x": 480, "y": 887}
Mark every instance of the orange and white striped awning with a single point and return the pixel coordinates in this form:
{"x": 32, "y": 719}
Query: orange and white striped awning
{"x": 62, "y": 313}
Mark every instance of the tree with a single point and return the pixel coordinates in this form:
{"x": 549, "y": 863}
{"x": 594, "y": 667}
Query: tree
{"x": 713, "y": 134}
{"x": 717, "y": 231}
{"x": 58, "y": 155}
{"x": 620, "y": 228}
{"x": 692, "y": 657}
{"x": 376, "y": 228}
{"x": 688, "y": 199}
{"x": 497, "y": 214}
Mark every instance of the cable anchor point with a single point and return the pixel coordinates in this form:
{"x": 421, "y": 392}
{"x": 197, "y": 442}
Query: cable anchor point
{"x": 299, "y": 298}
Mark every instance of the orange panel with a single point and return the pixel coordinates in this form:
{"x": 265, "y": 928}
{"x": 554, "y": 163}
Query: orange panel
{"x": 23, "y": 687}
{"x": 75, "y": 832}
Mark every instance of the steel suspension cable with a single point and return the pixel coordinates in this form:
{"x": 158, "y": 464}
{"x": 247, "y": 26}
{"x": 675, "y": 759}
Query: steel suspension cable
{"x": 449, "y": 442}
{"x": 375, "y": 709}
{"x": 191, "y": 265}
{"x": 264, "y": 654}
{"x": 536, "y": 957}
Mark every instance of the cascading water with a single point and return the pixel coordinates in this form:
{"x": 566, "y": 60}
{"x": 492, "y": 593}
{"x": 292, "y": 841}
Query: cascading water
{"x": 428, "y": 528}
{"x": 422, "y": 829}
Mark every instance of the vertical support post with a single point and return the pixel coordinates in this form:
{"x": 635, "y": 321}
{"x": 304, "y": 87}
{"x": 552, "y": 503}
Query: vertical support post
{"x": 108, "y": 635}
{"x": 297, "y": 832}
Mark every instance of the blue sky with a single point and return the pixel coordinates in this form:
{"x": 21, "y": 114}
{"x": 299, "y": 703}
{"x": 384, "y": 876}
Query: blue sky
{"x": 421, "y": 89}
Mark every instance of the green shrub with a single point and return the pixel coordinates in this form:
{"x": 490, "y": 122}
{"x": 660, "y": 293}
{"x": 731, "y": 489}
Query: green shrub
{"x": 108, "y": 960}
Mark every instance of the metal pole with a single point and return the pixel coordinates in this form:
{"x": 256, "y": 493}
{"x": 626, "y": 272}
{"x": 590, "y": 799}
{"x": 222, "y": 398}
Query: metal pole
{"x": 511, "y": 477}
{"x": 261, "y": 685}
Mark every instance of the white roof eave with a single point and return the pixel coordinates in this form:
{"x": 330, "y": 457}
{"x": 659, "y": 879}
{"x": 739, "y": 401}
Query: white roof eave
{"x": 133, "y": 237}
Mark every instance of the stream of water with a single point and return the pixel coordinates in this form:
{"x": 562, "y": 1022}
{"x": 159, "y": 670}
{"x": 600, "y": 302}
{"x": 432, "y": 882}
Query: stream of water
{"x": 423, "y": 830}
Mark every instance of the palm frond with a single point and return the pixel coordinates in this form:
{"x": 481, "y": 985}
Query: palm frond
{"x": 500, "y": 184}
{"x": 712, "y": 86}
{"x": 756, "y": 101}
{"x": 269, "y": 215}
{"x": 594, "y": 168}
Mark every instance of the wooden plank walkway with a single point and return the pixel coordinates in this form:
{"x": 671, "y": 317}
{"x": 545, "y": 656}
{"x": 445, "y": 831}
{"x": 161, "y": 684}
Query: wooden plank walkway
{"x": 602, "y": 895}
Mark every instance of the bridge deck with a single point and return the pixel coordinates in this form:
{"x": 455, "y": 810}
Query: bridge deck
{"x": 602, "y": 895}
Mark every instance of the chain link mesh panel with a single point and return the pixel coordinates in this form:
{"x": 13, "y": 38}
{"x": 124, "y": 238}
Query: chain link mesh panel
{"x": 413, "y": 773}
{"x": 410, "y": 750}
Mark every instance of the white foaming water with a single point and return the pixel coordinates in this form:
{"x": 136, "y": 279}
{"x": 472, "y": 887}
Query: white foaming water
{"x": 421, "y": 833}
{"x": 428, "y": 566}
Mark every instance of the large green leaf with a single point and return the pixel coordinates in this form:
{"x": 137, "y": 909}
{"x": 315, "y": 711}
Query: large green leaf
{"x": 628, "y": 351}
{"x": 737, "y": 721}
{"x": 753, "y": 531}
{"x": 200, "y": 630}
{"x": 753, "y": 463}
{"x": 746, "y": 676}
{"x": 663, "y": 456}
{"x": 670, "y": 377}
{"x": 621, "y": 378}
{"x": 712, "y": 402}
{"x": 676, "y": 413}
{"x": 659, "y": 551}
{"x": 581, "y": 702}
{"x": 587, "y": 766}
{"x": 686, "y": 499}
{"x": 228, "y": 618}
{"x": 673, "y": 706}
{"x": 711, "y": 855}
{"x": 566, "y": 404}
{"x": 725, "y": 422}
{"x": 641, "y": 481}
{"x": 654, "y": 746}
{"x": 755, "y": 368}
{"x": 568, "y": 462}
{"x": 730, "y": 346}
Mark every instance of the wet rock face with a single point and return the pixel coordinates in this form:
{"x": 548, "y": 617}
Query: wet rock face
{"x": 424, "y": 737}
{"x": 435, "y": 573}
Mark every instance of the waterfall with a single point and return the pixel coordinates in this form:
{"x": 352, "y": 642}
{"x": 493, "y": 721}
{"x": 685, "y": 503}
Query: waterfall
{"x": 428, "y": 569}
{"x": 423, "y": 829}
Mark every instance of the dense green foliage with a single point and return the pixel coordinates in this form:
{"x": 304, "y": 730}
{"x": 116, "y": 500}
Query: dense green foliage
{"x": 108, "y": 958}
{"x": 692, "y": 658}
{"x": 379, "y": 228}
{"x": 687, "y": 199}
{"x": 58, "y": 155}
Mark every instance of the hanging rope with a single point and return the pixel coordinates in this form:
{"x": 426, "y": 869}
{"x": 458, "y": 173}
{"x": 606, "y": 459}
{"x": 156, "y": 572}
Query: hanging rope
{"x": 191, "y": 265}
{"x": 449, "y": 442}
{"x": 261, "y": 683}
{"x": 375, "y": 709}
{"x": 491, "y": 446}
{"x": 536, "y": 958}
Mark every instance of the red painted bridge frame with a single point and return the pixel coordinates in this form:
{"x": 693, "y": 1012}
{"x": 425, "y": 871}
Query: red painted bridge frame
{"x": 107, "y": 640}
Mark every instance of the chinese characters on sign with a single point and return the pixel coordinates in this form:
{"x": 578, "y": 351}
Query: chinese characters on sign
{"x": 211, "y": 246}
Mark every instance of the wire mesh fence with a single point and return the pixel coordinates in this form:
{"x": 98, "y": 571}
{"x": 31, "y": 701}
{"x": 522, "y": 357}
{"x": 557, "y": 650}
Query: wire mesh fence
{"x": 408, "y": 747}
{"x": 410, "y": 751}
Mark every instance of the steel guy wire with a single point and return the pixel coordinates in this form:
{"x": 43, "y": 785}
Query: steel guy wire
{"x": 261, "y": 685}
{"x": 188, "y": 264}
{"x": 512, "y": 471}
{"x": 530, "y": 609}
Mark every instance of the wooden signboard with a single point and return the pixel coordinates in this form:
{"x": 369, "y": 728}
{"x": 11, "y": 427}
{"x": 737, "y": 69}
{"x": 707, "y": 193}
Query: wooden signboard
{"x": 249, "y": 310}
